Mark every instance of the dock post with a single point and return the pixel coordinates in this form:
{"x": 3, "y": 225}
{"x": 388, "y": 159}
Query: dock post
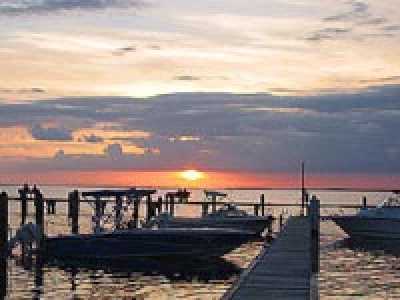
{"x": 280, "y": 222}
{"x": 136, "y": 204}
{"x": 23, "y": 195}
{"x": 256, "y": 209}
{"x": 39, "y": 215}
{"x": 307, "y": 200}
{"x": 3, "y": 244}
{"x": 364, "y": 202}
{"x": 98, "y": 208}
{"x": 159, "y": 205}
{"x": 118, "y": 208}
{"x": 149, "y": 208}
{"x": 73, "y": 199}
{"x": 303, "y": 190}
{"x": 262, "y": 204}
{"x": 314, "y": 221}
{"x": 166, "y": 204}
{"x": 172, "y": 206}
{"x": 214, "y": 203}
{"x": 204, "y": 211}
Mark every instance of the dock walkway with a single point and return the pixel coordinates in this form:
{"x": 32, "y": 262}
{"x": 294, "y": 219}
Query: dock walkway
{"x": 281, "y": 271}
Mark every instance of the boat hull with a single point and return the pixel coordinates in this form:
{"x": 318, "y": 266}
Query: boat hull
{"x": 257, "y": 225}
{"x": 147, "y": 243}
{"x": 369, "y": 228}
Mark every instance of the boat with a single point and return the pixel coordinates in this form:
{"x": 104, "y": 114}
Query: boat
{"x": 228, "y": 216}
{"x": 380, "y": 222}
{"x": 144, "y": 242}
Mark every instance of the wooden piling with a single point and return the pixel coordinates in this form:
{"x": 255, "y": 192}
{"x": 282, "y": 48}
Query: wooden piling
{"x": 280, "y": 222}
{"x": 39, "y": 215}
{"x": 73, "y": 199}
{"x": 262, "y": 204}
{"x": 166, "y": 208}
{"x": 23, "y": 196}
{"x": 150, "y": 211}
{"x": 364, "y": 202}
{"x": 213, "y": 203}
{"x": 256, "y": 209}
{"x": 98, "y": 209}
{"x": 314, "y": 221}
{"x": 204, "y": 211}
{"x": 3, "y": 244}
{"x": 136, "y": 205}
{"x": 172, "y": 205}
{"x": 159, "y": 205}
{"x": 118, "y": 209}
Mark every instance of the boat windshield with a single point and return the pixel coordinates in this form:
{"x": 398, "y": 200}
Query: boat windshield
{"x": 392, "y": 201}
{"x": 229, "y": 210}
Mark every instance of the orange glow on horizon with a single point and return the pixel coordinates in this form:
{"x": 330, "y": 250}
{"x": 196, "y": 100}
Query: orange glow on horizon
{"x": 191, "y": 175}
{"x": 210, "y": 179}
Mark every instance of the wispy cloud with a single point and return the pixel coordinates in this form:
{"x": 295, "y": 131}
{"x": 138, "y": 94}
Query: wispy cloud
{"x": 187, "y": 78}
{"x": 17, "y": 7}
{"x": 353, "y": 23}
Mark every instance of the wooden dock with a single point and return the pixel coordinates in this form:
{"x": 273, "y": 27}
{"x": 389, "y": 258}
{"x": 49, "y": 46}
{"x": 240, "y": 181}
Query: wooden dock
{"x": 281, "y": 271}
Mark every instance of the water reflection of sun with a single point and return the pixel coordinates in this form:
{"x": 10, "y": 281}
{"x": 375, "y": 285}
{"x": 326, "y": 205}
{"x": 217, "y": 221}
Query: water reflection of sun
{"x": 191, "y": 175}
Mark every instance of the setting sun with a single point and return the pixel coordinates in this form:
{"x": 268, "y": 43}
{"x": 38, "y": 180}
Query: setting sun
{"x": 192, "y": 175}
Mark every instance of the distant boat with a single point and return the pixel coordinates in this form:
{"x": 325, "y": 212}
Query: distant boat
{"x": 228, "y": 216}
{"x": 381, "y": 222}
{"x": 163, "y": 242}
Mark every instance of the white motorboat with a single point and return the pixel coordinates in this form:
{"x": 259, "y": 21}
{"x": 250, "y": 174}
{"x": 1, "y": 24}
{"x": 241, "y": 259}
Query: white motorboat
{"x": 381, "y": 222}
{"x": 228, "y": 216}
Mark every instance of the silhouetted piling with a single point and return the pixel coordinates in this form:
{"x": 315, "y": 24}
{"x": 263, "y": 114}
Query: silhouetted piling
{"x": 23, "y": 196}
{"x": 364, "y": 202}
{"x": 98, "y": 210}
{"x": 51, "y": 207}
{"x": 213, "y": 203}
{"x": 204, "y": 211}
{"x": 314, "y": 220}
{"x": 118, "y": 209}
{"x": 159, "y": 205}
{"x": 172, "y": 205}
{"x": 74, "y": 202}
{"x": 262, "y": 204}
{"x": 150, "y": 208}
{"x": 166, "y": 208}
{"x": 136, "y": 205}
{"x": 3, "y": 244}
{"x": 256, "y": 209}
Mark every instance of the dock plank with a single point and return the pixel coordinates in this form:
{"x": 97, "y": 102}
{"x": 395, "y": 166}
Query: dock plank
{"x": 281, "y": 271}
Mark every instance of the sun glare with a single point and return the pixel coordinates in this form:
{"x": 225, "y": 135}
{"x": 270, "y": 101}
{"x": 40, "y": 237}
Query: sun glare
{"x": 191, "y": 175}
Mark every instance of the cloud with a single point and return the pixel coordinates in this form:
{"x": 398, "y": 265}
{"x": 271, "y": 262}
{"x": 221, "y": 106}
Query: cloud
{"x": 92, "y": 138}
{"x": 125, "y": 50}
{"x": 23, "y": 91}
{"x": 187, "y": 78}
{"x": 329, "y": 33}
{"x": 114, "y": 151}
{"x": 358, "y": 10}
{"x": 357, "y": 17}
{"x": 333, "y": 132}
{"x": 51, "y": 133}
{"x": 17, "y": 7}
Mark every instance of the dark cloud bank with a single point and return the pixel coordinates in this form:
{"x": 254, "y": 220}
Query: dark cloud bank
{"x": 17, "y": 7}
{"x": 257, "y": 132}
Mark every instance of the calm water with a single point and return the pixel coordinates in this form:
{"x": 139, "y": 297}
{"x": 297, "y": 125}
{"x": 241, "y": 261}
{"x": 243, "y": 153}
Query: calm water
{"x": 347, "y": 271}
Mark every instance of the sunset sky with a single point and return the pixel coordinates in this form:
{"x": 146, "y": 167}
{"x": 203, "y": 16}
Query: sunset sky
{"x": 125, "y": 92}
